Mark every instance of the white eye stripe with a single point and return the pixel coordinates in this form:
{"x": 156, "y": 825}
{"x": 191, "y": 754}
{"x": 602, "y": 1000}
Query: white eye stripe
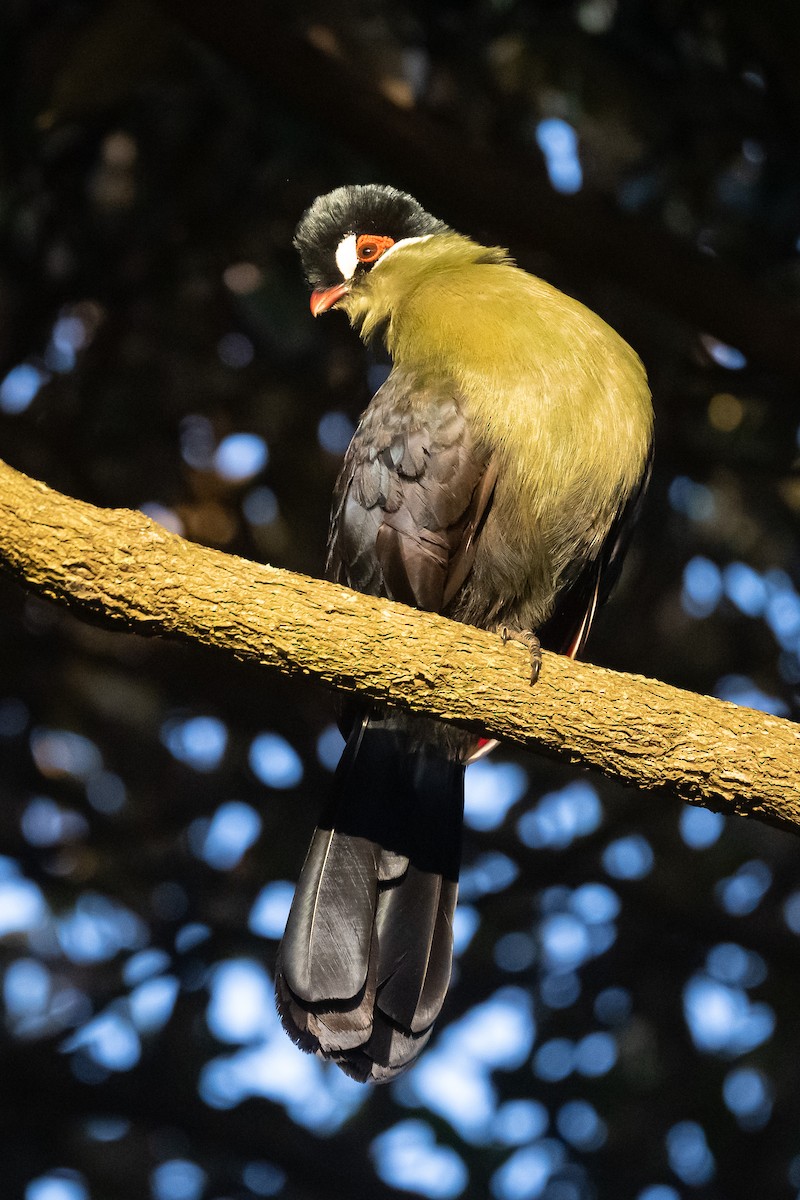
{"x": 403, "y": 242}
{"x": 346, "y": 256}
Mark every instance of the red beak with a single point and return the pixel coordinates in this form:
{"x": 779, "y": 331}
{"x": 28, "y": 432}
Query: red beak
{"x": 324, "y": 299}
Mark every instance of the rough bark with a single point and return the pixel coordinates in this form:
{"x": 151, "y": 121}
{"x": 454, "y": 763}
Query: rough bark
{"x": 119, "y": 567}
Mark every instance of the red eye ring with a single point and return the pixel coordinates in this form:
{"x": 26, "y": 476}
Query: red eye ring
{"x": 370, "y": 247}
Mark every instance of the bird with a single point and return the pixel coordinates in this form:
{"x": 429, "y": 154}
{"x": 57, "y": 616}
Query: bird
{"x": 495, "y": 477}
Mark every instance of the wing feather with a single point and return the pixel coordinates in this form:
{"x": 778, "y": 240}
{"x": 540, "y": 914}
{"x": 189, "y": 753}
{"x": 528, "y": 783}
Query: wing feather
{"x": 412, "y": 496}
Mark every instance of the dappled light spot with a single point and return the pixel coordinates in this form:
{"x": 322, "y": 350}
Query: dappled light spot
{"x": 560, "y": 817}
{"x": 560, "y": 989}
{"x": 235, "y": 350}
{"x": 275, "y": 762}
{"x": 565, "y": 941}
{"x": 497, "y": 1033}
{"x": 613, "y": 1006}
{"x": 740, "y": 689}
{"x": 699, "y": 827}
{"x": 465, "y": 924}
{"x": 151, "y": 1003}
{"x": 260, "y": 506}
{"x": 745, "y": 588}
{"x": 793, "y": 1173}
{"x": 490, "y": 872}
{"x": 191, "y": 935}
{"x": 197, "y": 441}
{"x": 22, "y": 905}
{"x": 689, "y": 1155}
{"x": 167, "y": 518}
{"x": 453, "y": 1078}
{"x": 741, "y": 893}
{"x": 20, "y": 388}
{"x": 243, "y": 278}
{"x": 694, "y": 500}
{"x": 658, "y": 1191}
{"x": 596, "y": 1054}
{"x": 595, "y": 903}
{"x": 66, "y": 339}
{"x": 408, "y": 1157}
{"x": 722, "y": 1020}
{"x": 36, "y": 1002}
{"x": 97, "y": 928}
{"x": 27, "y": 985}
{"x": 558, "y": 142}
{"x": 554, "y": 1060}
{"x": 748, "y": 1094}
{"x": 733, "y": 964}
{"x": 58, "y": 1185}
{"x": 144, "y": 965}
{"x": 106, "y": 792}
{"x": 262, "y": 1178}
{"x": 490, "y": 789}
{"x": 60, "y": 752}
{"x": 240, "y": 456}
{"x": 725, "y": 412}
{"x": 109, "y": 1040}
{"x": 791, "y": 912}
{"x": 702, "y": 587}
{"x": 723, "y": 355}
{"x": 783, "y": 608}
{"x": 271, "y": 909}
{"x": 524, "y": 1175}
{"x": 107, "y": 1129}
{"x": 596, "y": 16}
{"x": 199, "y": 742}
{"x": 335, "y": 431}
{"x": 515, "y": 951}
{"x": 315, "y": 1096}
{"x": 45, "y": 823}
{"x": 579, "y": 1123}
{"x": 629, "y": 857}
{"x": 177, "y": 1179}
{"x": 519, "y": 1121}
{"x": 330, "y": 745}
{"x": 555, "y": 898}
{"x": 227, "y": 836}
{"x": 602, "y": 938}
{"x": 241, "y": 1004}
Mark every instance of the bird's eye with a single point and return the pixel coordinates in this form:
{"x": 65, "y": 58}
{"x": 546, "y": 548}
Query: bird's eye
{"x": 369, "y": 247}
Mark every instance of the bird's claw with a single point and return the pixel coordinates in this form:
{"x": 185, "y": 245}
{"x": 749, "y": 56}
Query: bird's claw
{"x": 529, "y": 639}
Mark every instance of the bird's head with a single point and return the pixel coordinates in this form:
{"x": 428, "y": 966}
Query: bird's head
{"x": 345, "y": 234}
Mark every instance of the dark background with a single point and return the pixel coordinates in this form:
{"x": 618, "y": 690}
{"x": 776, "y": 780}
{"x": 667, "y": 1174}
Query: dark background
{"x": 623, "y": 1022}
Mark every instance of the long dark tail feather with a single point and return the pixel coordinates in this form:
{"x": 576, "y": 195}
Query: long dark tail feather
{"x": 365, "y": 961}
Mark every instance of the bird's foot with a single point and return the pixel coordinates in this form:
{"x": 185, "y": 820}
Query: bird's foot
{"x": 529, "y": 639}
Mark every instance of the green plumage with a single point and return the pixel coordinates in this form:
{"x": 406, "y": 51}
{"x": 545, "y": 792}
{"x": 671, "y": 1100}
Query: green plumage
{"x": 495, "y": 477}
{"x": 558, "y": 398}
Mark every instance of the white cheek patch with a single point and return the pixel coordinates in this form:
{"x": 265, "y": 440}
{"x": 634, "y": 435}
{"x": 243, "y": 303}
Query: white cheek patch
{"x": 403, "y": 242}
{"x": 346, "y": 256}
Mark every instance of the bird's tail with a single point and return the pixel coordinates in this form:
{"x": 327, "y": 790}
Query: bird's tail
{"x": 365, "y": 961}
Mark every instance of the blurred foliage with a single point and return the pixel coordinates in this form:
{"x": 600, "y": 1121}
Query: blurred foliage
{"x": 622, "y": 1023}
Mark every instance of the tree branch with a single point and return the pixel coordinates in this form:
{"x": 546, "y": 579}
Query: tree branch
{"x": 119, "y": 567}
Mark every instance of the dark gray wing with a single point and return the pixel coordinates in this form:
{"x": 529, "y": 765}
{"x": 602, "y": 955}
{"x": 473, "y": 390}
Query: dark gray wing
{"x": 412, "y": 497}
{"x": 568, "y": 628}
